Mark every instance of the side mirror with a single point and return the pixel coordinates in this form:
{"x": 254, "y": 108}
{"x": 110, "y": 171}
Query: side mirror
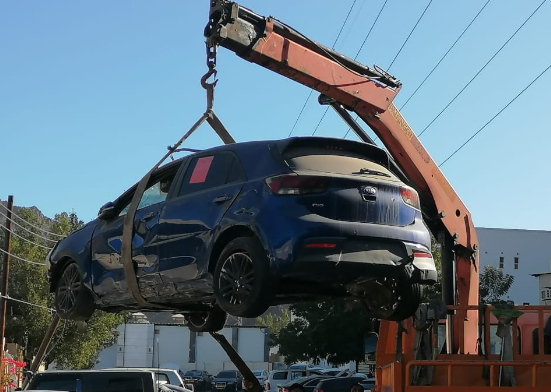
{"x": 107, "y": 211}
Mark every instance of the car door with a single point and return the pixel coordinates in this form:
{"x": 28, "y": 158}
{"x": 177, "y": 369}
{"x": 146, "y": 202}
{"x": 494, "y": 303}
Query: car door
{"x": 205, "y": 191}
{"x": 108, "y": 278}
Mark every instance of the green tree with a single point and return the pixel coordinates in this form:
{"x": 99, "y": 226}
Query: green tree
{"x": 494, "y": 284}
{"x": 27, "y": 324}
{"x": 333, "y": 330}
{"x": 275, "y": 323}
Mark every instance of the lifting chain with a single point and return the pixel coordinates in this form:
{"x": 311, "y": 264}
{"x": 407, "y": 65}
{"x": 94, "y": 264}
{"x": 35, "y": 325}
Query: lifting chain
{"x": 211, "y": 64}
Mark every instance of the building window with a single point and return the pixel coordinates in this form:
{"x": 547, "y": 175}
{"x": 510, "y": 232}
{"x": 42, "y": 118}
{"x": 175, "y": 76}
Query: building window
{"x": 546, "y": 294}
{"x": 501, "y": 261}
{"x": 516, "y": 262}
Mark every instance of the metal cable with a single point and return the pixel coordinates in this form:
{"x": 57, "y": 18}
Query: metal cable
{"x": 25, "y": 302}
{"x": 482, "y": 69}
{"x": 410, "y": 33}
{"x": 24, "y": 228}
{"x": 52, "y": 346}
{"x": 493, "y": 118}
{"x": 312, "y": 91}
{"x": 22, "y": 259}
{"x": 445, "y": 55}
{"x": 30, "y": 224}
{"x": 23, "y": 238}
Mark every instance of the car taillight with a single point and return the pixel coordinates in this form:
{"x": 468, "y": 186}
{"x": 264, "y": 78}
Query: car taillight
{"x": 268, "y": 386}
{"x": 422, "y": 254}
{"x": 284, "y": 390}
{"x": 410, "y": 197}
{"x": 293, "y": 184}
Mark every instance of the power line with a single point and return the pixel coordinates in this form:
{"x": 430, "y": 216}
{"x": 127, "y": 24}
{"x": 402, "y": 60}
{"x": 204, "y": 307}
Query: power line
{"x": 23, "y": 238}
{"x": 25, "y": 302}
{"x": 33, "y": 226}
{"x": 355, "y": 57}
{"x": 24, "y": 228}
{"x": 371, "y": 29}
{"x": 410, "y": 33}
{"x": 497, "y": 114}
{"x": 311, "y": 91}
{"x": 481, "y": 69}
{"x": 22, "y": 259}
{"x": 445, "y": 55}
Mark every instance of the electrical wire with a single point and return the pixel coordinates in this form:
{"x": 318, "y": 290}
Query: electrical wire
{"x": 410, "y": 33}
{"x": 370, "y": 30}
{"x": 27, "y": 230}
{"x": 30, "y": 224}
{"x": 23, "y": 238}
{"x": 482, "y": 69}
{"x": 311, "y": 91}
{"x": 25, "y": 302}
{"x": 497, "y": 114}
{"x": 445, "y": 54}
{"x": 22, "y": 259}
{"x": 355, "y": 57}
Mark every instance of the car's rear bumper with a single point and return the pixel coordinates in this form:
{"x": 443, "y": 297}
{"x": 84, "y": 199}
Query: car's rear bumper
{"x": 342, "y": 259}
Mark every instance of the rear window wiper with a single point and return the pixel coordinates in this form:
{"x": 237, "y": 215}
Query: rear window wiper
{"x": 374, "y": 172}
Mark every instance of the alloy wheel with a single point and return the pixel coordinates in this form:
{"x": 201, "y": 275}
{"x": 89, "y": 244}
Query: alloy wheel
{"x": 237, "y": 278}
{"x": 69, "y": 287}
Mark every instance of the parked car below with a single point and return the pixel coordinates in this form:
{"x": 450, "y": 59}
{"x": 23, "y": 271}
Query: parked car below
{"x": 94, "y": 381}
{"x": 338, "y": 384}
{"x": 261, "y": 375}
{"x": 228, "y": 381}
{"x": 169, "y": 376}
{"x": 279, "y": 377}
{"x": 308, "y": 384}
{"x": 201, "y": 379}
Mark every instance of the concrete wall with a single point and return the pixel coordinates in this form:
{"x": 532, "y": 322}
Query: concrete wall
{"x": 174, "y": 346}
{"x": 533, "y": 249}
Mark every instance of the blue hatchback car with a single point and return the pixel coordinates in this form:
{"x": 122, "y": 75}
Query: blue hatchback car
{"x": 238, "y": 228}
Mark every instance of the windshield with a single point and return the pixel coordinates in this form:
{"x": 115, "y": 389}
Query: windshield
{"x": 226, "y": 375}
{"x": 258, "y": 373}
{"x": 193, "y": 373}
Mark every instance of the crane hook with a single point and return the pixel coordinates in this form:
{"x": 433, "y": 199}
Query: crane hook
{"x": 211, "y": 64}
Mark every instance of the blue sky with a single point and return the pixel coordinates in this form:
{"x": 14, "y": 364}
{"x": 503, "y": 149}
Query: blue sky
{"x": 91, "y": 93}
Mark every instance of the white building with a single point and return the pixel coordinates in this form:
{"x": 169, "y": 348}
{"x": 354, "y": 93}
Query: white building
{"x": 521, "y": 253}
{"x": 158, "y": 339}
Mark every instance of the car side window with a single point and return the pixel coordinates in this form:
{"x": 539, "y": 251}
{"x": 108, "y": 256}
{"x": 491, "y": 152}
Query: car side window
{"x": 280, "y": 376}
{"x": 211, "y": 171}
{"x": 156, "y": 193}
{"x": 297, "y": 374}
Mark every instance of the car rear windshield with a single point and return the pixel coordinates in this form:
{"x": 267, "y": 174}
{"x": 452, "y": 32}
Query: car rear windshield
{"x": 258, "y": 373}
{"x": 193, "y": 373}
{"x": 335, "y": 160}
{"x": 226, "y": 375}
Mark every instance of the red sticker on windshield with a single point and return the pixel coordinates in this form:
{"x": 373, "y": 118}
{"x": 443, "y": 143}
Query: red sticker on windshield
{"x": 201, "y": 170}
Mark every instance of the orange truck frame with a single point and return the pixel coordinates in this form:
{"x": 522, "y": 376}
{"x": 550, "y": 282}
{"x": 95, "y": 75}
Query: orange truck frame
{"x": 349, "y": 86}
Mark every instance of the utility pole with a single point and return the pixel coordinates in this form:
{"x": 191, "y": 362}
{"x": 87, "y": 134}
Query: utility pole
{"x": 5, "y": 274}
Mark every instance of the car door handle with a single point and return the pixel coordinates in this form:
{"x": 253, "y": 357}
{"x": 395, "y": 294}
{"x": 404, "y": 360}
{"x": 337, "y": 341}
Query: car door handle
{"x": 149, "y": 216}
{"x": 222, "y": 198}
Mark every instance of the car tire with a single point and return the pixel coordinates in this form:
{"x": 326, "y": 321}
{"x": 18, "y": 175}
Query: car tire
{"x": 395, "y": 299}
{"x": 73, "y": 300}
{"x": 212, "y": 321}
{"x": 243, "y": 284}
{"x": 410, "y": 298}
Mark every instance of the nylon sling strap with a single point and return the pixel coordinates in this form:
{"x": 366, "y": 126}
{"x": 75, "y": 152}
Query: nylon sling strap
{"x": 128, "y": 225}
